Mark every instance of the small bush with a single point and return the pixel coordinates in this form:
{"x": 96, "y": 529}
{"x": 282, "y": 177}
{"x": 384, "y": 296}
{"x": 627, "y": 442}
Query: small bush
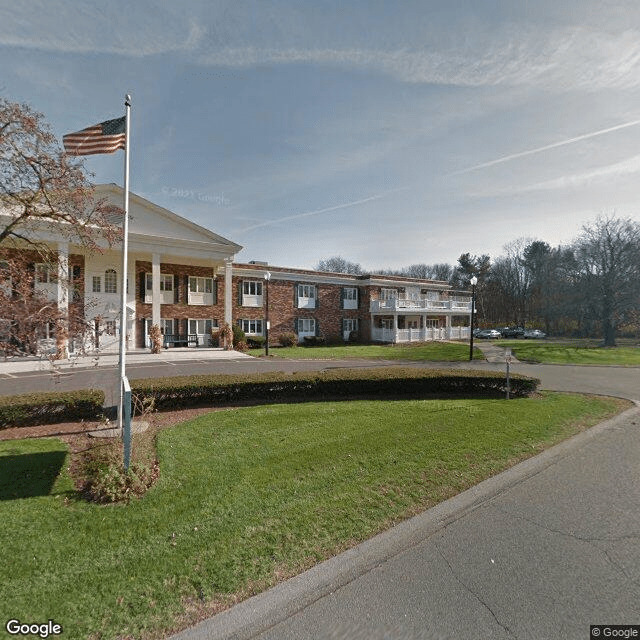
{"x": 288, "y": 340}
{"x": 238, "y": 336}
{"x": 113, "y": 484}
{"x": 256, "y": 342}
{"x": 241, "y": 346}
{"x": 313, "y": 341}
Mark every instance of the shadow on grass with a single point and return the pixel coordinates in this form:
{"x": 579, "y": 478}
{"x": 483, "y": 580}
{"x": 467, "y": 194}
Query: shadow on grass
{"x": 30, "y": 474}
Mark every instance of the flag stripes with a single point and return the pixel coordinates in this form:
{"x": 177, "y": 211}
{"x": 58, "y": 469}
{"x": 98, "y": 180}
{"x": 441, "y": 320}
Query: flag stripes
{"x": 106, "y": 137}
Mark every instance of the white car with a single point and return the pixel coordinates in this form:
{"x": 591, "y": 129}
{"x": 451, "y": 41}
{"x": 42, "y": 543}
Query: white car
{"x": 534, "y": 333}
{"x": 490, "y": 334}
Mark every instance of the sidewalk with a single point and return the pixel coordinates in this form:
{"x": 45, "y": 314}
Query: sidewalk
{"x": 175, "y": 354}
{"x": 494, "y": 352}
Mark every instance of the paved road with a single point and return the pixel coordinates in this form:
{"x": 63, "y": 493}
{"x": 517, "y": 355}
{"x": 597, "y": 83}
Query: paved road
{"x": 616, "y": 381}
{"x": 538, "y": 552}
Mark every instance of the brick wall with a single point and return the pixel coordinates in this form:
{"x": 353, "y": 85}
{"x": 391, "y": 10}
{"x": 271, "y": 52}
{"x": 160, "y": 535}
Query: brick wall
{"x": 179, "y": 310}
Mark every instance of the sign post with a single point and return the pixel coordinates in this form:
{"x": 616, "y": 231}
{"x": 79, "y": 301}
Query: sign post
{"x": 507, "y": 357}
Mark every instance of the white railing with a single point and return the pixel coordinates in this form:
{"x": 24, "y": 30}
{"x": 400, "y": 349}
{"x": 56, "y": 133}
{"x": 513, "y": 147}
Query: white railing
{"x": 426, "y": 334}
{"x": 399, "y": 304}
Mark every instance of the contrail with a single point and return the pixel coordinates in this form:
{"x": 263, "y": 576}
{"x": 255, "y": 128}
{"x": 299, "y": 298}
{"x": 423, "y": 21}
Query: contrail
{"x": 319, "y": 211}
{"x": 513, "y": 156}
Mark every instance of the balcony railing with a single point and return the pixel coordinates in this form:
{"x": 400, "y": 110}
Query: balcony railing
{"x": 426, "y": 334}
{"x": 400, "y": 304}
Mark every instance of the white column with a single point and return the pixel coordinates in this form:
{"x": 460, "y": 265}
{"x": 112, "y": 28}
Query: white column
{"x": 448, "y": 326}
{"x": 63, "y": 286}
{"x": 155, "y": 291}
{"x": 131, "y": 304}
{"x": 228, "y": 291}
{"x": 63, "y": 277}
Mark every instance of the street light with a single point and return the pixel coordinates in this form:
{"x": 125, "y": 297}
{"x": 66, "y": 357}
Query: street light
{"x": 267, "y": 277}
{"x": 474, "y": 282}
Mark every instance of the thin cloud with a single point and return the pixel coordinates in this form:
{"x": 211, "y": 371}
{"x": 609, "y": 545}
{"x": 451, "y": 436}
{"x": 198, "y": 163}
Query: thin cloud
{"x": 630, "y": 166}
{"x": 318, "y": 212}
{"x": 555, "y": 145}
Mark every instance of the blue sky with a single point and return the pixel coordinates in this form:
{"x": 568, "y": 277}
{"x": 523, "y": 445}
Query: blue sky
{"x": 390, "y": 133}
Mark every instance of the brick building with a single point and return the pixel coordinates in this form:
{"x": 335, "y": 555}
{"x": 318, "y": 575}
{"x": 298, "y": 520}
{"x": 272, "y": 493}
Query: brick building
{"x": 183, "y": 278}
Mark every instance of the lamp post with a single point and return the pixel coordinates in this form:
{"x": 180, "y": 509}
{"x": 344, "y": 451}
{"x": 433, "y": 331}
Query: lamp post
{"x": 474, "y": 282}
{"x": 267, "y": 277}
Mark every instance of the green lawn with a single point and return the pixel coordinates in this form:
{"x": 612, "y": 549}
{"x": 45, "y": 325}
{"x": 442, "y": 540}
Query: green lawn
{"x": 572, "y": 353}
{"x": 246, "y": 497}
{"x": 431, "y": 351}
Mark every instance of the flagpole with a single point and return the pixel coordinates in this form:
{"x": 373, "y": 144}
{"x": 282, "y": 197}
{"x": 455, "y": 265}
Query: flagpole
{"x": 125, "y": 260}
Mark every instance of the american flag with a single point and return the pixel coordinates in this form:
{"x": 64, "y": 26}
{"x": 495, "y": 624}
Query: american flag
{"x": 106, "y": 137}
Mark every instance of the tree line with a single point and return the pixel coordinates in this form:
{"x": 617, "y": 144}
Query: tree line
{"x": 587, "y": 288}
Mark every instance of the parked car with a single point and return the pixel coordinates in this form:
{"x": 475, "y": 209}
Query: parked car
{"x": 490, "y": 334}
{"x": 534, "y": 333}
{"x": 512, "y": 332}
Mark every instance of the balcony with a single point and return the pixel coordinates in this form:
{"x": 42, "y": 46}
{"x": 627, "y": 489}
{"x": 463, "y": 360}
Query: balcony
{"x": 427, "y": 334}
{"x": 398, "y": 305}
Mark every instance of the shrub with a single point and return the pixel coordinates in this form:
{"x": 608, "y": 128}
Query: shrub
{"x": 172, "y": 393}
{"x": 215, "y": 337}
{"x": 313, "y": 341}
{"x": 113, "y": 484}
{"x": 238, "y": 336}
{"x": 241, "y": 346}
{"x": 155, "y": 334}
{"x": 31, "y": 409}
{"x": 288, "y": 340}
{"x": 256, "y": 342}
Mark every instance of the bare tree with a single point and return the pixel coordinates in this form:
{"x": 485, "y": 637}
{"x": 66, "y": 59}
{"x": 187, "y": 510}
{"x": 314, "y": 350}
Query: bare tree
{"x": 608, "y": 255}
{"x": 44, "y": 193}
{"x": 337, "y": 264}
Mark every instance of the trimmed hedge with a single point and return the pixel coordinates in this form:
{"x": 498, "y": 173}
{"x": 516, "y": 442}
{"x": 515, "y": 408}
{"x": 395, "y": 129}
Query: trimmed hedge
{"x": 219, "y": 390}
{"x": 31, "y": 409}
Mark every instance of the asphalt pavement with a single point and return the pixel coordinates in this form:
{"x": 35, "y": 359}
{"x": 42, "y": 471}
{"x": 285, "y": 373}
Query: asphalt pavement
{"x": 540, "y": 551}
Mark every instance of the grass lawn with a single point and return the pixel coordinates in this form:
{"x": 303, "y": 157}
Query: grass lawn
{"x": 247, "y": 497}
{"x": 572, "y": 353}
{"x": 431, "y": 351}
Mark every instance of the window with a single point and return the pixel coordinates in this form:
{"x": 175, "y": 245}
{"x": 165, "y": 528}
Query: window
{"x": 202, "y": 327}
{"x": 5, "y": 278}
{"x": 44, "y": 273}
{"x": 251, "y": 293}
{"x": 350, "y": 298}
{"x": 200, "y": 285}
{"x": 349, "y": 325}
{"x": 251, "y": 327}
{"x": 252, "y": 288}
{"x": 110, "y": 327}
{"x": 306, "y": 296}
{"x": 306, "y": 325}
{"x": 110, "y": 281}
{"x": 166, "y": 327}
{"x": 166, "y": 288}
{"x": 97, "y": 284}
{"x": 388, "y": 294}
{"x": 166, "y": 282}
{"x": 306, "y": 291}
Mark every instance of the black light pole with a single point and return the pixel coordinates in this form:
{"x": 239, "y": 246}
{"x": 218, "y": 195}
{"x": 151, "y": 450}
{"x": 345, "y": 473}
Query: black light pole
{"x": 474, "y": 281}
{"x": 267, "y": 277}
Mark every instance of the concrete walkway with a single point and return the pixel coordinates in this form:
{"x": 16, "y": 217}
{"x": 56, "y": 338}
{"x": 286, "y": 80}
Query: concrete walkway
{"x": 178, "y": 354}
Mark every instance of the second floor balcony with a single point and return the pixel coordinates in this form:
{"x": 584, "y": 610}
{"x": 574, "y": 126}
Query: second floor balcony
{"x": 393, "y": 305}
